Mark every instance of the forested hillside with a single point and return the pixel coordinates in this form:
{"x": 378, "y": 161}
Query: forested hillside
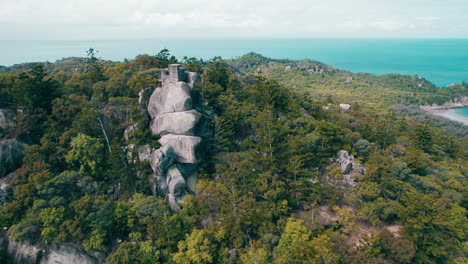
{"x": 374, "y": 94}
{"x": 278, "y": 185}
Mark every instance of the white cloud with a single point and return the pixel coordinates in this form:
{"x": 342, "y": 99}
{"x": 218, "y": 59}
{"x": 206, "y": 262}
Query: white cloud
{"x": 391, "y": 25}
{"x": 95, "y": 19}
{"x": 352, "y": 24}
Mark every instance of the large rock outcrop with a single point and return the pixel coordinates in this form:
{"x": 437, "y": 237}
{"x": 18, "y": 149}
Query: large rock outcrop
{"x": 24, "y": 253}
{"x": 70, "y": 255}
{"x": 344, "y": 161}
{"x": 172, "y": 97}
{"x": 181, "y": 127}
{"x": 7, "y": 118}
{"x": 349, "y": 167}
{"x": 188, "y": 149}
{"x": 189, "y": 123}
{"x": 5, "y": 181}
{"x": 11, "y": 155}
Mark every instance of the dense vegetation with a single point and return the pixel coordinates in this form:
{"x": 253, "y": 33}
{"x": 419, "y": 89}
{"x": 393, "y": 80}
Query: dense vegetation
{"x": 266, "y": 175}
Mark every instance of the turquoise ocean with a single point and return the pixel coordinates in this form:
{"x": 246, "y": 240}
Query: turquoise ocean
{"x": 463, "y": 111}
{"x": 441, "y": 61}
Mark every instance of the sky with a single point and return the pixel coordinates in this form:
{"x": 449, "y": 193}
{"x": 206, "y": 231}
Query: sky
{"x": 147, "y": 19}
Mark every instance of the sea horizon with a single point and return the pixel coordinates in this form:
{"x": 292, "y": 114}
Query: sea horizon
{"x": 443, "y": 61}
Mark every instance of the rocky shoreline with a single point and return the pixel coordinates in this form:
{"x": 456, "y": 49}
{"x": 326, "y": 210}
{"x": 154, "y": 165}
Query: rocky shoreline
{"x": 447, "y": 110}
{"x": 455, "y": 103}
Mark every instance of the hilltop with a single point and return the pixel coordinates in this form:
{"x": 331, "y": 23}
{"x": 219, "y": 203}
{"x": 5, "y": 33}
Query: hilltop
{"x": 71, "y": 64}
{"x": 402, "y": 94}
{"x": 303, "y": 163}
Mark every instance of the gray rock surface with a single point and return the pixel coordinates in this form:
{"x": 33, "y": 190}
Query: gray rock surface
{"x": 180, "y": 124}
{"x": 192, "y": 79}
{"x": 187, "y": 168}
{"x": 129, "y": 130}
{"x": 155, "y": 185}
{"x": 162, "y": 187}
{"x": 175, "y": 181}
{"x": 188, "y": 149}
{"x": 144, "y": 153}
{"x": 345, "y": 107}
{"x": 349, "y": 168}
{"x": 67, "y": 255}
{"x": 173, "y": 202}
{"x": 173, "y": 97}
{"x": 7, "y": 118}
{"x": 11, "y": 155}
{"x": 5, "y": 181}
{"x": 25, "y": 253}
{"x": 161, "y": 159}
{"x": 191, "y": 181}
{"x": 344, "y": 161}
{"x": 28, "y": 254}
{"x": 130, "y": 148}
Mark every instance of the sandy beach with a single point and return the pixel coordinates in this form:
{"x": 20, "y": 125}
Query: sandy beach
{"x": 452, "y": 115}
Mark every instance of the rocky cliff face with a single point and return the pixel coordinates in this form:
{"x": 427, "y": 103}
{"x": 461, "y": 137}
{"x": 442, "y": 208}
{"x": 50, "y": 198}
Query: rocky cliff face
{"x": 181, "y": 127}
{"x": 7, "y": 118}
{"x": 11, "y": 155}
{"x": 54, "y": 254}
{"x": 454, "y": 103}
{"x": 349, "y": 167}
{"x": 67, "y": 254}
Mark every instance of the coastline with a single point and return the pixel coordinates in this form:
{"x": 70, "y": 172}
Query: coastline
{"x": 454, "y": 103}
{"x": 448, "y": 110}
{"x": 434, "y": 59}
{"x": 451, "y": 114}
